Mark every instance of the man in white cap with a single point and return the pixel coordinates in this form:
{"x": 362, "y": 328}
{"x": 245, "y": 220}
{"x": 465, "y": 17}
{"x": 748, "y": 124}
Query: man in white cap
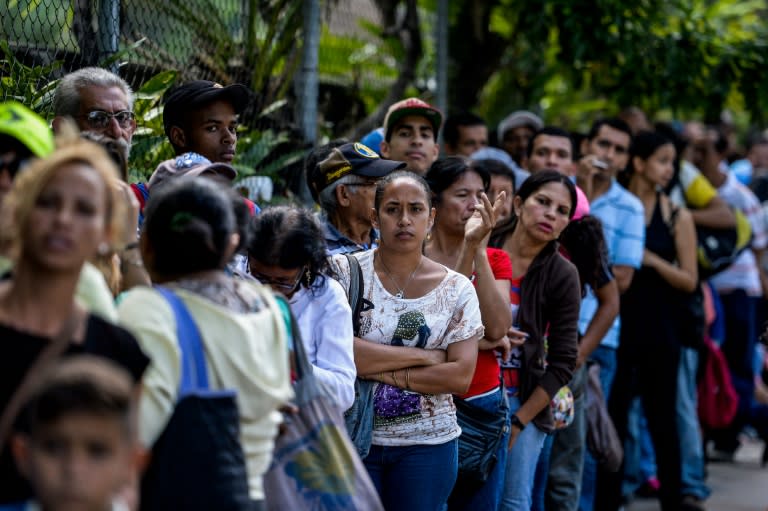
{"x": 515, "y": 132}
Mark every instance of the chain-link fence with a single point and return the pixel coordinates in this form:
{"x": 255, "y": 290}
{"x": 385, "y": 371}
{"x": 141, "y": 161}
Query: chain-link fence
{"x": 359, "y": 55}
{"x": 219, "y": 40}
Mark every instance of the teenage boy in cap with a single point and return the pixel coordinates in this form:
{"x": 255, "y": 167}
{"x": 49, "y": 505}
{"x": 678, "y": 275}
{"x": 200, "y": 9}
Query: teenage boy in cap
{"x": 410, "y": 134}
{"x": 346, "y": 184}
{"x": 200, "y": 117}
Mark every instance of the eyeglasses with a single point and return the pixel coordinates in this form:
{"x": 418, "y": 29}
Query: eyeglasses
{"x": 99, "y": 119}
{"x": 284, "y": 287}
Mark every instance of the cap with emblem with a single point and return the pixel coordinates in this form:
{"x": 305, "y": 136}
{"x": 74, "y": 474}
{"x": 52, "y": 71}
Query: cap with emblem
{"x": 356, "y": 159}
{"x": 190, "y": 95}
{"x": 189, "y": 165}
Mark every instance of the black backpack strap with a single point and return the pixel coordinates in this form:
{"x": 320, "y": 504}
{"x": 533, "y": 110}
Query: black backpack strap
{"x": 355, "y": 294}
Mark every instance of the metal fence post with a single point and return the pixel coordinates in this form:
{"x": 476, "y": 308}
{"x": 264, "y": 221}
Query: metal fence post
{"x": 441, "y": 59}
{"x": 308, "y": 82}
{"x": 108, "y": 37}
{"x": 306, "y": 85}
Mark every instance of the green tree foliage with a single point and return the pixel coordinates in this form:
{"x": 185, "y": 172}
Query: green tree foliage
{"x": 571, "y": 59}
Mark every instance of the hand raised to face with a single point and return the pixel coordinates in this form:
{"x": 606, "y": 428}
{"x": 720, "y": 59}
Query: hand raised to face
{"x": 478, "y": 228}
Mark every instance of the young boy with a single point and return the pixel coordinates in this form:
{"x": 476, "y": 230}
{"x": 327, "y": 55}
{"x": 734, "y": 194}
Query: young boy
{"x": 77, "y": 437}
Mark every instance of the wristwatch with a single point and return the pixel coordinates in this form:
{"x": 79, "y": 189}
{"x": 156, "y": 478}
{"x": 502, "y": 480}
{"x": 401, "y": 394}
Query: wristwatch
{"x": 515, "y": 420}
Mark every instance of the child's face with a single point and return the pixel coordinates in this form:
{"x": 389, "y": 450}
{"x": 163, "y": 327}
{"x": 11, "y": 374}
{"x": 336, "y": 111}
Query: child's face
{"x": 79, "y": 463}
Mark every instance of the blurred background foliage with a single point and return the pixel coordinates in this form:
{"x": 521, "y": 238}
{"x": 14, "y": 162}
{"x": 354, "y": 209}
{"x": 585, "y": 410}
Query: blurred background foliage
{"x": 568, "y": 60}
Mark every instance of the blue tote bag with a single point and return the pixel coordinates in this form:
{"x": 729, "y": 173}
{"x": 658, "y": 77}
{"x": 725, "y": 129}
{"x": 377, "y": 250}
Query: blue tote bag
{"x": 197, "y": 462}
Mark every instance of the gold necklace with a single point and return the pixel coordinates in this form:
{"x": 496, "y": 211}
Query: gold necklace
{"x": 400, "y": 290}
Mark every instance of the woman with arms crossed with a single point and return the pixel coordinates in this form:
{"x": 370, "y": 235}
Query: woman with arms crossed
{"x": 419, "y": 343}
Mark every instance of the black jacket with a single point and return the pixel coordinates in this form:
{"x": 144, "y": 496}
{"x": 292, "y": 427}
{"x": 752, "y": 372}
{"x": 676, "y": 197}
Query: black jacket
{"x": 550, "y": 298}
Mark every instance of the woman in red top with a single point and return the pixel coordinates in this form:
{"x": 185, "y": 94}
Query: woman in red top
{"x": 459, "y": 238}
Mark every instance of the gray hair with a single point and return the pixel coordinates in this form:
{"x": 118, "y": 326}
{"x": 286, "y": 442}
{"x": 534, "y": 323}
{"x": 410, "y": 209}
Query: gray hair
{"x": 327, "y": 196}
{"x": 66, "y": 97}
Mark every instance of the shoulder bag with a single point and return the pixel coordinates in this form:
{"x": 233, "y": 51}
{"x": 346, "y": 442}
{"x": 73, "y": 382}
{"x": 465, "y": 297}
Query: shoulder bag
{"x": 197, "y": 462}
{"x": 314, "y": 465}
{"x": 482, "y": 433}
{"x": 602, "y": 439}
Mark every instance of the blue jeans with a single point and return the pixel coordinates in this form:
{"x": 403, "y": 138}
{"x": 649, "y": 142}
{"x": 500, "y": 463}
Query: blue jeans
{"x": 567, "y": 459}
{"x": 540, "y": 478}
{"x": 691, "y": 445}
{"x": 521, "y": 465}
{"x": 639, "y": 456}
{"x": 606, "y": 357}
{"x": 414, "y": 477}
{"x": 488, "y": 496}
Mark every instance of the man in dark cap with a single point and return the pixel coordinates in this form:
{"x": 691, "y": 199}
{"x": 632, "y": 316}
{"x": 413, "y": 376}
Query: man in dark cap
{"x": 345, "y": 183}
{"x": 202, "y": 117}
{"x": 200, "y": 120}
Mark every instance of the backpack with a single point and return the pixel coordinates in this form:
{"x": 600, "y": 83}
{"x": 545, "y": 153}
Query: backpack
{"x": 717, "y": 249}
{"x": 718, "y": 400}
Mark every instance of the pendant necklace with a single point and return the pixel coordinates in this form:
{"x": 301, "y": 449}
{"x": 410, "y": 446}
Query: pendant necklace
{"x": 400, "y": 290}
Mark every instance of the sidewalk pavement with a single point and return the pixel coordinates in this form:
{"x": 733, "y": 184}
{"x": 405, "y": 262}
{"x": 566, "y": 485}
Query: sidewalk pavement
{"x": 738, "y": 486}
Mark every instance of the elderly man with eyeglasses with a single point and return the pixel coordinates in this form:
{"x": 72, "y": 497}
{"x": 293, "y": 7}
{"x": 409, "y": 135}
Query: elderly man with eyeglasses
{"x": 345, "y": 184}
{"x": 99, "y": 101}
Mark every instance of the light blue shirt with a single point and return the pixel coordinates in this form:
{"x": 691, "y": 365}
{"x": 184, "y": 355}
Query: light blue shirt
{"x": 623, "y": 218}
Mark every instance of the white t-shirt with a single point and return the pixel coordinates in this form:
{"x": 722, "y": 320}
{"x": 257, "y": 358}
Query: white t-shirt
{"x": 447, "y": 314}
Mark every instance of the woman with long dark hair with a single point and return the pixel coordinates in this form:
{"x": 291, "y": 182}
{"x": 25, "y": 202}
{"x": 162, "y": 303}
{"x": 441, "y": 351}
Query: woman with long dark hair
{"x": 464, "y": 218}
{"x": 287, "y": 251}
{"x": 545, "y": 298}
{"x": 651, "y": 331}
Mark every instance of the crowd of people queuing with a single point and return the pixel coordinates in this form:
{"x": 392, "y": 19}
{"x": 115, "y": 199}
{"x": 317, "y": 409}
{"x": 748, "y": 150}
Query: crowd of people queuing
{"x": 492, "y": 280}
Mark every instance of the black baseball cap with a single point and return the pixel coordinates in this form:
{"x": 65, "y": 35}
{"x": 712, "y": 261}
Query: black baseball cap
{"x": 190, "y": 95}
{"x": 354, "y": 158}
